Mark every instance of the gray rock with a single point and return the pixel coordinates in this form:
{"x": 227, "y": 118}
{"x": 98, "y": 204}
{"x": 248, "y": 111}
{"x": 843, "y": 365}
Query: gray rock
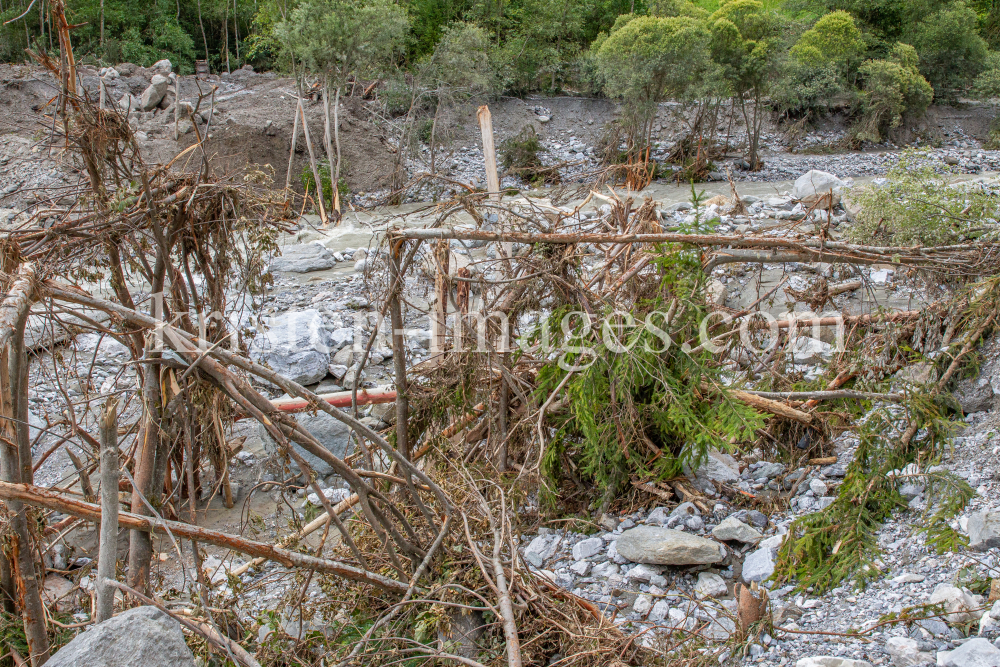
{"x": 153, "y": 95}
{"x": 684, "y": 510}
{"x": 984, "y": 530}
{"x": 905, "y": 652}
{"x": 588, "y": 548}
{"x": 818, "y": 487}
{"x": 304, "y": 258}
{"x": 974, "y": 395}
{"x": 710, "y": 585}
{"x": 769, "y": 469}
{"x": 140, "y": 636}
{"x": 976, "y": 652}
{"x": 541, "y": 549}
{"x": 734, "y": 529}
{"x": 332, "y": 433}
{"x": 296, "y": 345}
{"x": 658, "y": 516}
{"x": 759, "y": 565}
{"x": 757, "y": 519}
{"x": 718, "y": 467}
{"x": 163, "y": 66}
{"x": 663, "y": 546}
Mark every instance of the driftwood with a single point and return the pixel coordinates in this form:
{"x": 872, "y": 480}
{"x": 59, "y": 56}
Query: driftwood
{"x": 41, "y": 497}
{"x": 107, "y": 558}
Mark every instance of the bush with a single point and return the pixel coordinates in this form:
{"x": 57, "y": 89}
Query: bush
{"x": 834, "y": 40}
{"x": 951, "y": 51}
{"x": 919, "y": 206}
{"x": 892, "y": 88}
{"x": 520, "y": 155}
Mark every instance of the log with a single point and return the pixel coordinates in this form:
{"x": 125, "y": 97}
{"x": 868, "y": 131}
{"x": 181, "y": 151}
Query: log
{"x": 107, "y": 558}
{"x": 41, "y": 497}
{"x": 774, "y": 407}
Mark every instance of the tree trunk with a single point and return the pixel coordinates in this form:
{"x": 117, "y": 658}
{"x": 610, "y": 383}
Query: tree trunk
{"x": 204, "y": 40}
{"x": 12, "y": 469}
{"x": 102, "y": 28}
{"x": 107, "y": 559}
{"x": 291, "y": 151}
{"x": 140, "y": 542}
{"x": 328, "y": 138}
{"x": 312, "y": 160}
{"x": 336, "y": 140}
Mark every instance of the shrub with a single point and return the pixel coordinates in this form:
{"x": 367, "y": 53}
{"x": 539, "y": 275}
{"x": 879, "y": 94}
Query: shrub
{"x": 833, "y": 40}
{"x": 919, "y": 206}
{"x": 892, "y": 88}
{"x": 951, "y": 51}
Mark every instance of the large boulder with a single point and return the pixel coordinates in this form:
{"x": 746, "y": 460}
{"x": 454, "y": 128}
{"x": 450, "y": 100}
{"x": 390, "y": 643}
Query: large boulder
{"x": 811, "y": 186}
{"x": 665, "y": 546}
{"x": 974, "y": 395}
{"x": 296, "y": 345}
{"x": 154, "y": 93}
{"x": 332, "y": 433}
{"x": 141, "y": 636}
{"x": 303, "y": 259}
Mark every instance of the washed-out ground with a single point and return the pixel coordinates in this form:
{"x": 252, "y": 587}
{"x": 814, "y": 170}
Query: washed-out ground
{"x": 332, "y": 277}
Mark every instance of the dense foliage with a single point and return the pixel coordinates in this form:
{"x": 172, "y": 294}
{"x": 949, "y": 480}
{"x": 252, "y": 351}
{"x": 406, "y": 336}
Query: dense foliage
{"x": 877, "y": 60}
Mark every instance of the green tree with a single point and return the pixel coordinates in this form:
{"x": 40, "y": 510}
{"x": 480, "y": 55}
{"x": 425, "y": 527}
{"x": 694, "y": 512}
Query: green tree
{"x": 892, "y": 88}
{"x": 834, "y": 39}
{"x": 336, "y": 39}
{"x": 951, "y": 51}
{"x": 648, "y": 59}
{"x": 458, "y": 69}
{"x": 745, "y": 43}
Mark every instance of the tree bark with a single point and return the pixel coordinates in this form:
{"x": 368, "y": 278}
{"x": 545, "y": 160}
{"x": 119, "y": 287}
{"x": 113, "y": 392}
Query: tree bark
{"x": 312, "y": 160}
{"x": 13, "y": 377}
{"x": 398, "y": 350}
{"x": 107, "y": 559}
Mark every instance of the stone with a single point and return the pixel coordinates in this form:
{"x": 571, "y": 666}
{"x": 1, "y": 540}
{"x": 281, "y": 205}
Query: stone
{"x": 694, "y": 523}
{"x": 818, "y": 487}
{"x": 977, "y": 652}
{"x": 296, "y": 345}
{"x": 988, "y": 625}
{"x": 908, "y": 578}
{"x": 974, "y": 395}
{"x": 333, "y": 434}
{"x": 642, "y": 573}
{"x": 905, "y": 652}
{"x": 664, "y": 546}
{"x": 58, "y": 591}
{"x": 718, "y": 467}
{"x": 344, "y": 357}
{"x": 831, "y": 661}
{"x": 984, "y": 530}
{"x": 580, "y": 568}
{"x": 759, "y": 565}
{"x": 643, "y": 604}
{"x": 303, "y": 258}
{"x": 659, "y": 611}
{"x": 658, "y": 516}
{"x": 957, "y": 603}
{"x": 815, "y": 184}
{"x": 153, "y": 95}
{"x": 684, "y": 510}
{"x": 732, "y": 529}
{"x": 541, "y": 549}
{"x": 588, "y": 548}
{"x": 811, "y": 351}
{"x": 757, "y": 519}
{"x": 710, "y": 586}
{"x": 163, "y": 66}
{"x": 140, "y": 636}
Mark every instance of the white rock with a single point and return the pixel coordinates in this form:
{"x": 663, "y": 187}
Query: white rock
{"x": 642, "y": 604}
{"x": 710, "y": 585}
{"x": 811, "y": 351}
{"x": 153, "y": 94}
{"x": 957, "y": 603}
{"x": 818, "y": 487}
{"x": 908, "y": 578}
{"x": 580, "y": 568}
{"x": 164, "y": 66}
{"x": 977, "y": 652}
{"x": 906, "y": 652}
{"x": 659, "y": 611}
{"x": 588, "y": 548}
{"x": 814, "y": 184}
{"x": 642, "y": 572}
{"x": 831, "y": 661}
